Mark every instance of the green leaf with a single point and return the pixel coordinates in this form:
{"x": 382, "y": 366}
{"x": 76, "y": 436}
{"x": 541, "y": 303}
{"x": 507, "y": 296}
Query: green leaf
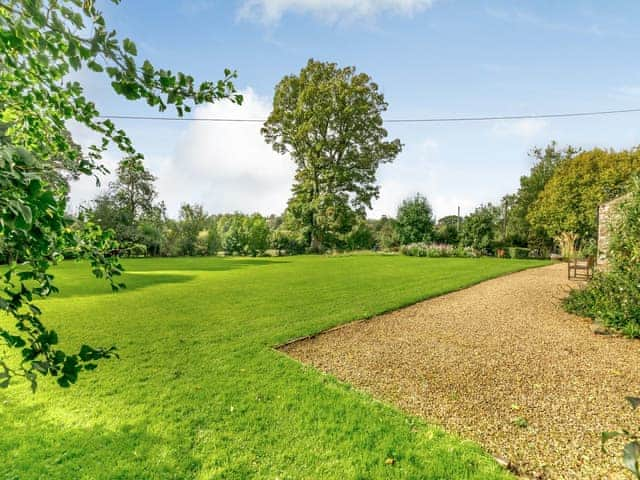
{"x": 95, "y": 66}
{"x": 129, "y": 47}
{"x": 634, "y": 401}
{"x": 42, "y": 367}
{"x": 630, "y": 457}
{"x": 25, "y": 212}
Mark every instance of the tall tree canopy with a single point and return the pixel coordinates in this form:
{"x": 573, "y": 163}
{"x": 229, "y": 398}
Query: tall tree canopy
{"x": 518, "y": 229}
{"x": 481, "y": 227}
{"x": 329, "y": 120}
{"x": 569, "y": 200}
{"x": 414, "y": 220}
{"x": 447, "y": 229}
{"x": 129, "y": 202}
{"x": 41, "y": 43}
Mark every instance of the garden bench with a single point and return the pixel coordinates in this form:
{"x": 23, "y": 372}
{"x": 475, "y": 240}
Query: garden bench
{"x": 582, "y": 269}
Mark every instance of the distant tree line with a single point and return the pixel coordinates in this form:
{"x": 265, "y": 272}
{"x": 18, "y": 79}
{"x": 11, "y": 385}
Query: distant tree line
{"x": 560, "y": 194}
{"x": 329, "y": 121}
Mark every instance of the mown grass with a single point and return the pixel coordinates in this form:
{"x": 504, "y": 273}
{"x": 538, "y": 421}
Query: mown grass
{"x": 200, "y": 393}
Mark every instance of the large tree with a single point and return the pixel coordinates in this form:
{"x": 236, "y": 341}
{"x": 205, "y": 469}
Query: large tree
{"x": 129, "y": 201}
{"x": 517, "y": 228}
{"x": 134, "y": 188}
{"x": 570, "y": 199}
{"x": 329, "y": 119}
{"x": 414, "y": 220}
{"x": 447, "y": 229}
{"x": 481, "y": 227}
{"x": 191, "y": 222}
{"x": 41, "y": 43}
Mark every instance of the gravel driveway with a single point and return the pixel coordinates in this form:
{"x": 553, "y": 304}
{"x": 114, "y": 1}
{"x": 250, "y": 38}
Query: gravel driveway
{"x": 500, "y": 363}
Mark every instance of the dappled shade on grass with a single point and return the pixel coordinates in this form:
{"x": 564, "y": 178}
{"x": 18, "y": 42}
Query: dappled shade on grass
{"x": 200, "y": 393}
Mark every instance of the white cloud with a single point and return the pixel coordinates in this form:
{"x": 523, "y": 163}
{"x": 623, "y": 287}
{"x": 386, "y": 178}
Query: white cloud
{"x": 223, "y": 166}
{"x": 271, "y": 11}
{"x": 526, "y": 128}
{"x": 226, "y": 166}
{"x": 423, "y": 169}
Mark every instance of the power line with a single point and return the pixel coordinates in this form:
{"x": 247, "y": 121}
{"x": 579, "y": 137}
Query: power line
{"x": 391, "y": 120}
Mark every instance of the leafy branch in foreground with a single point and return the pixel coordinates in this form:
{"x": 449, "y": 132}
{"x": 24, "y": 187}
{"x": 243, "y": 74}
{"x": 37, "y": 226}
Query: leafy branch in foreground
{"x": 41, "y": 43}
{"x": 631, "y": 452}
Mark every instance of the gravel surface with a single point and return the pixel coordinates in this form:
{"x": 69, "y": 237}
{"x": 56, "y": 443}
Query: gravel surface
{"x": 500, "y": 363}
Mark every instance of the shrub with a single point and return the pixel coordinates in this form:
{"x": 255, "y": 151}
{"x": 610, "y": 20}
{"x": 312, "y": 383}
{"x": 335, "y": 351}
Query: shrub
{"x": 613, "y": 297}
{"x": 435, "y": 250}
{"x": 287, "y": 242}
{"x": 201, "y": 246}
{"x": 137, "y": 250}
{"x": 518, "y": 252}
{"x": 360, "y": 237}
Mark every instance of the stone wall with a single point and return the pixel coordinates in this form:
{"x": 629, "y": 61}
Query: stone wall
{"x": 606, "y": 214}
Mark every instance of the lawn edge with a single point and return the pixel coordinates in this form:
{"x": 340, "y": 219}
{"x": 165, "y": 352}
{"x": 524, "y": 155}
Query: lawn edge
{"x": 368, "y": 318}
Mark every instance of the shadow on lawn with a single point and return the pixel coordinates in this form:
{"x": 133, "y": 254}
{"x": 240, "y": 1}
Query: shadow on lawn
{"x": 41, "y": 448}
{"x": 194, "y": 264}
{"x": 132, "y": 280}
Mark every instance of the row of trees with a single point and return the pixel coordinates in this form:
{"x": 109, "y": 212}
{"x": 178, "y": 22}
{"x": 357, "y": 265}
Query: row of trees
{"x": 557, "y": 199}
{"x": 130, "y": 209}
{"x": 562, "y": 193}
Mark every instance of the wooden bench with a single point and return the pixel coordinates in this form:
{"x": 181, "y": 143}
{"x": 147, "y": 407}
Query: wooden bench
{"x": 580, "y": 269}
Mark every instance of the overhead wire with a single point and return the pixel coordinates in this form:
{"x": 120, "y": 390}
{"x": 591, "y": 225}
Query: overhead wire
{"x": 448, "y": 119}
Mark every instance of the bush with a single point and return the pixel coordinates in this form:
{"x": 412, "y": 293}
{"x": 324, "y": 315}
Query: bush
{"x": 435, "y": 250}
{"x": 137, "y": 250}
{"x": 612, "y": 299}
{"x": 613, "y": 296}
{"x": 518, "y": 252}
{"x": 287, "y": 242}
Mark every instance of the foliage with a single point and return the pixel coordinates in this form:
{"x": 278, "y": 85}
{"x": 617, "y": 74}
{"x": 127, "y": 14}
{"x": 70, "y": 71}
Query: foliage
{"x": 518, "y": 252}
{"x": 447, "y": 229}
{"x": 243, "y": 234}
{"x": 128, "y": 207}
{"x": 578, "y": 186}
{"x": 568, "y": 243}
{"x": 257, "y": 235}
{"x": 414, "y": 220}
{"x": 231, "y": 229}
{"x": 435, "y": 250}
{"x": 518, "y": 229}
{"x": 624, "y": 244}
{"x": 360, "y": 237}
{"x": 197, "y": 351}
{"x": 133, "y": 188}
{"x": 385, "y": 233}
{"x": 631, "y": 452}
{"x": 41, "y": 44}
{"x": 192, "y": 220}
{"x": 151, "y": 230}
{"x": 613, "y": 296}
{"x": 329, "y": 120}
{"x": 287, "y": 241}
{"x": 480, "y": 228}
{"x": 34, "y": 233}
{"x": 136, "y": 250}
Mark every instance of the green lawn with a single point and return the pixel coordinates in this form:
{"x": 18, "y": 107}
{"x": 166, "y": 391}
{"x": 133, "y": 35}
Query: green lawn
{"x": 200, "y": 393}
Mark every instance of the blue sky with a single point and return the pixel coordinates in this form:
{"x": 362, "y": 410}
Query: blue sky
{"x": 431, "y": 58}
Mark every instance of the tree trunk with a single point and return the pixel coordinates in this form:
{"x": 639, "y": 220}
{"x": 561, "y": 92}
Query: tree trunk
{"x": 316, "y": 244}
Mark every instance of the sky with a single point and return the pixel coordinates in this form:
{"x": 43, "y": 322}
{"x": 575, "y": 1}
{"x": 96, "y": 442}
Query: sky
{"x": 431, "y": 58}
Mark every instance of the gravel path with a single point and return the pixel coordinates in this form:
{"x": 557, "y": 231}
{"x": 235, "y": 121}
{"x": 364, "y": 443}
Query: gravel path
{"x": 500, "y": 363}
